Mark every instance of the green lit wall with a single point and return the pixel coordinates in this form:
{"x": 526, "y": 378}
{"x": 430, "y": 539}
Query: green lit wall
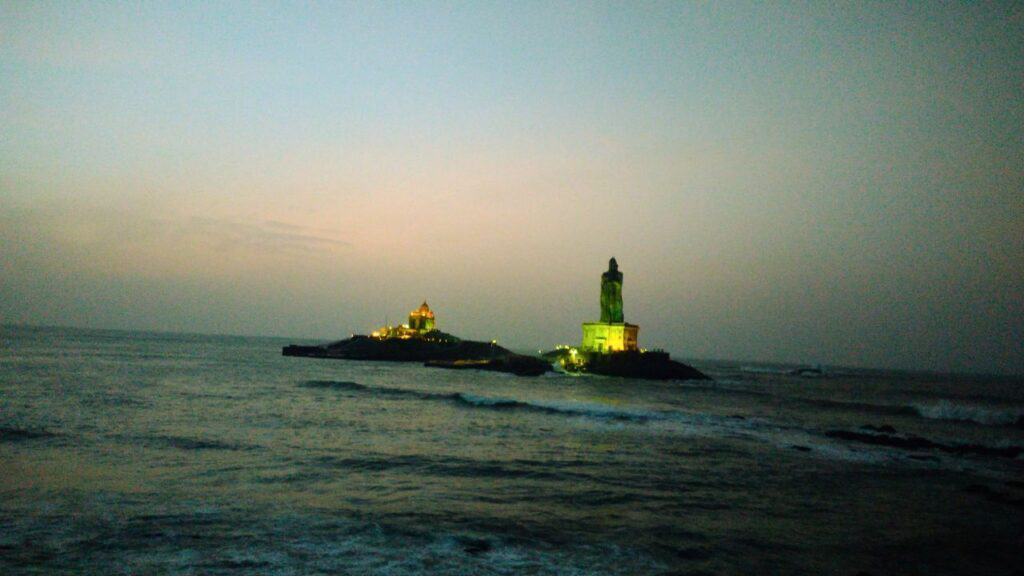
{"x": 609, "y": 337}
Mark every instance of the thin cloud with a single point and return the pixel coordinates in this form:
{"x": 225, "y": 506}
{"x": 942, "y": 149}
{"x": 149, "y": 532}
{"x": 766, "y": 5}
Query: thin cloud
{"x": 266, "y": 235}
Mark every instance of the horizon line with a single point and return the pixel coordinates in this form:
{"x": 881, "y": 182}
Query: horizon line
{"x": 908, "y": 371}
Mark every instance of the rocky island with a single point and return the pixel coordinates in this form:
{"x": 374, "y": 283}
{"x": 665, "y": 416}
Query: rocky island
{"x": 609, "y": 347}
{"x": 420, "y": 341}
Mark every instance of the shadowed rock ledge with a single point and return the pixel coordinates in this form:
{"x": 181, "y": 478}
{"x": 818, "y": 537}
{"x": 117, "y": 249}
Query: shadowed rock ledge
{"x": 626, "y": 364}
{"x": 435, "y": 349}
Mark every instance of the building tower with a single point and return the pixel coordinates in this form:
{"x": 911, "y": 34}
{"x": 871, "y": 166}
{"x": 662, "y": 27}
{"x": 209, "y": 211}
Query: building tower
{"x": 612, "y": 333}
{"x": 421, "y": 319}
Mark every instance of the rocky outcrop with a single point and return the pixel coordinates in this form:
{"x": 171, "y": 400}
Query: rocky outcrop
{"x": 513, "y": 363}
{"x": 627, "y": 364}
{"x": 635, "y": 364}
{"x": 436, "y": 349}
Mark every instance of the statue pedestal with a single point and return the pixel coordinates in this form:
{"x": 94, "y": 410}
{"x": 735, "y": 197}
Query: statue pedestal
{"x": 609, "y": 337}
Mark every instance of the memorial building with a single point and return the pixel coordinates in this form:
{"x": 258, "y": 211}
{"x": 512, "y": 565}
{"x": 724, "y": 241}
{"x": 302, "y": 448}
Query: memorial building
{"x": 421, "y": 321}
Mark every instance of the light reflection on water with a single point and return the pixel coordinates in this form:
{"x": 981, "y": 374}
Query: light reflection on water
{"x": 191, "y": 454}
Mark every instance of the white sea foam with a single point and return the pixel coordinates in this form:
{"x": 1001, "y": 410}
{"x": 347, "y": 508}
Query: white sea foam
{"x": 764, "y": 370}
{"x": 696, "y": 424}
{"x": 762, "y": 430}
{"x": 947, "y": 410}
{"x": 379, "y": 552}
{"x": 673, "y": 422}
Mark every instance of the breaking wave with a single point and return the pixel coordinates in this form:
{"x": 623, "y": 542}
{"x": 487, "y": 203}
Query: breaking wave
{"x": 883, "y": 437}
{"x": 938, "y": 410}
{"x": 226, "y": 542}
{"x": 821, "y": 442}
{"x": 946, "y": 410}
{"x": 567, "y": 407}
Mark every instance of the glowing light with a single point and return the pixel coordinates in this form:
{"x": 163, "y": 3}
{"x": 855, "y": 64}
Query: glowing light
{"x": 421, "y": 322}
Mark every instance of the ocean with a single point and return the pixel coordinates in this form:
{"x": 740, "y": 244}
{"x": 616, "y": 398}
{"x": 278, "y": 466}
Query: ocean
{"x": 146, "y": 453}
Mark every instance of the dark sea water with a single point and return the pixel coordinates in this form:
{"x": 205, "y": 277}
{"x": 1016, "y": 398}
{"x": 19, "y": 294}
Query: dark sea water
{"x": 136, "y": 453}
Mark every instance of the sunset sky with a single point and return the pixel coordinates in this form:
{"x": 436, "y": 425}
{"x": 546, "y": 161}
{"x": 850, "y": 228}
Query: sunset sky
{"x": 838, "y": 183}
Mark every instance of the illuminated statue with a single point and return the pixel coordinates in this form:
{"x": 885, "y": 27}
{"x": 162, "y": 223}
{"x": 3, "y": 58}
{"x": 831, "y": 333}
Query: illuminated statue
{"x": 611, "y": 293}
{"x": 612, "y": 333}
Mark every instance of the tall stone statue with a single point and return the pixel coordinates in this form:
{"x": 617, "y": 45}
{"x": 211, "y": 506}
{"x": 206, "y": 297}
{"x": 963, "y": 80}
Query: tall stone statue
{"x": 611, "y": 293}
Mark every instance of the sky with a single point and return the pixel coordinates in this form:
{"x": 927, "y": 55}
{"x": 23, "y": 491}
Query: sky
{"x": 826, "y": 182}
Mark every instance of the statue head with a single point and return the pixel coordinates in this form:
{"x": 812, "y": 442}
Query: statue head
{"x": 613, "y": 266}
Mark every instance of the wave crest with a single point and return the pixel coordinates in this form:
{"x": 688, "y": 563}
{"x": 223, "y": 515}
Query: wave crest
{"x": 570, "y": 408}
{"x": 946, "y": 410}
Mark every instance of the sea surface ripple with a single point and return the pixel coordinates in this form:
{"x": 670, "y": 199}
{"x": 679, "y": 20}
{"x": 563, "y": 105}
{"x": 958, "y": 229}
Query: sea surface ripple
{"x": 143, "y": 453}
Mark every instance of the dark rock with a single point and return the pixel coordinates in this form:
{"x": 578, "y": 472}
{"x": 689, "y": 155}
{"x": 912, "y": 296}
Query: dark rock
{"x": 18, "y": 434}
{"x": 885, "y": 428}
{"x": 918, "y": 443}
{"x": 475, "y": 546}
{"x": 634, "y": 364}
{"x": 435, "y": 348}
{"x": 513, "y": 363}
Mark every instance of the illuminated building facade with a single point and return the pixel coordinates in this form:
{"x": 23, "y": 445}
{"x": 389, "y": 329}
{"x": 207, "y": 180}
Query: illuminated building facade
{"x": 421, "y": 321}
{"x": 612, "y": 333}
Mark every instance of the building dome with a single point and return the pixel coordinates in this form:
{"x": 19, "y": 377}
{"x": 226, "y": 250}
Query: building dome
{"x": 424, "y": 310}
